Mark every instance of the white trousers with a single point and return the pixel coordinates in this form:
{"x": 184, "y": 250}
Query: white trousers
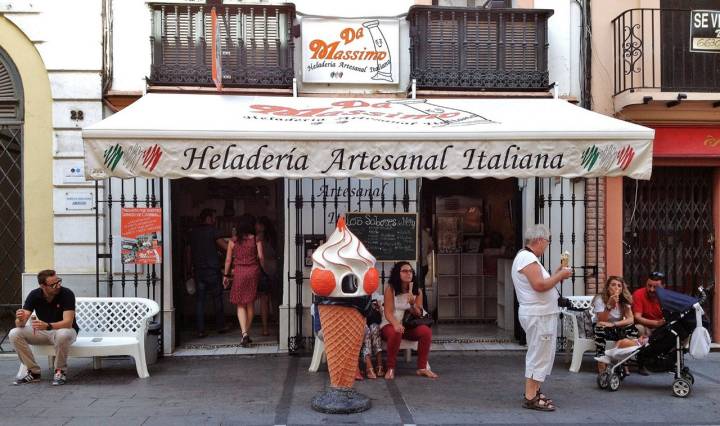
{"x": 541, "y": 333}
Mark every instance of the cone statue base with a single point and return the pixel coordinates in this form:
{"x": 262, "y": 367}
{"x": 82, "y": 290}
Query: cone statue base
{"x": 340, "y": 401}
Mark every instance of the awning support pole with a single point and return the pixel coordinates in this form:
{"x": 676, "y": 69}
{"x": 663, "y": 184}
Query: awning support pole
{"x": 413, "y": 89}
{"x": 294, "y": 87}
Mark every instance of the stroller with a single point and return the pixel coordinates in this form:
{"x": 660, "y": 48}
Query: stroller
{"x": 665, "y": 349}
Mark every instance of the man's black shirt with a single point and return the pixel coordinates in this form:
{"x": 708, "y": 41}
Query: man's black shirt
{"x": 51, "y": 311}
{"x": 203, "y": 247}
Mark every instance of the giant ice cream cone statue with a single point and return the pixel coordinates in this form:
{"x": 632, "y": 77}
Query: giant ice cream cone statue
{"x": 342, "y": 277}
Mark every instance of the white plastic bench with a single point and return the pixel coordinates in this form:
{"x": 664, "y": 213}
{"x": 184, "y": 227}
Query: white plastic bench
{"x": 580, "y": 345}
{"x": 319, "y": 353}
{"x": 109, "y": 326}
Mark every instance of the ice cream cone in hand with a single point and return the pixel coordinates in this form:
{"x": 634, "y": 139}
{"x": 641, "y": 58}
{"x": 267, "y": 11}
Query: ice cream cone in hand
{"x": 565, "y": 259}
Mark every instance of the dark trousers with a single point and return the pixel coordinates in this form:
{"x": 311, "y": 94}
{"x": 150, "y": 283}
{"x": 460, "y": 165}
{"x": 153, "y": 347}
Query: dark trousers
{"x": 208, "y": 282}
{"x": 603, "y": 334}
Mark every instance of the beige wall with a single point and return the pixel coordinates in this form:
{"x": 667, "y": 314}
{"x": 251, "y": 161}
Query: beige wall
{"x": 37, "y": 147}
{"x": 602, "y": 13}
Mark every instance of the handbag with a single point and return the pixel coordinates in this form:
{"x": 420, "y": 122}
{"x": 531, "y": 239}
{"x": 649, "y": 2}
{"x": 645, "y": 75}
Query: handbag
{"x": 700, "y": 339}
{"x": 264, "y": 282}
{"x": 410, "y": 320}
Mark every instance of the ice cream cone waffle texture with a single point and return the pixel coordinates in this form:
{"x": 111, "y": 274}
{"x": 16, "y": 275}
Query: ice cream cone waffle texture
{"x": 343, "y": 328}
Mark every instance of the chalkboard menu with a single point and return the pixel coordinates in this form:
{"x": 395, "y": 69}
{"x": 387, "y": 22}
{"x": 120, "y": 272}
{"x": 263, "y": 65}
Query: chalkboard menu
{"x": 389, "y": 237}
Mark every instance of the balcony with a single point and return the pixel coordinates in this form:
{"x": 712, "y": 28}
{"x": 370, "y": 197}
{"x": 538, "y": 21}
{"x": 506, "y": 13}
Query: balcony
{"x": 256, "y": 45}
{"x": 653, "y": 59}
{"x": 479, "y": 49}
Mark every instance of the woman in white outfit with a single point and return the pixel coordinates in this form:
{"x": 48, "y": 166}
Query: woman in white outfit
{"x": 538, "y": 313}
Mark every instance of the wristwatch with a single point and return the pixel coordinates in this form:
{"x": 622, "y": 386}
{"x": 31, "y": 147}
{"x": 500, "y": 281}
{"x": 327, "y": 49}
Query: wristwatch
{"x": 49, "y": 327}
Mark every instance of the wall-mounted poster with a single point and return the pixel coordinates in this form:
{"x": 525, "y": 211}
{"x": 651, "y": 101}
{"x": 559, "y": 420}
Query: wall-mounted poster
{"x": 350, "y": 51}
{"x": 139, "y": 230}
{"x": 311, "y": 242}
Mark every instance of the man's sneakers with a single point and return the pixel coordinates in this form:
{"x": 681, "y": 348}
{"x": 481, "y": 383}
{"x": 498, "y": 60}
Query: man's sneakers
{"x": 30, "y": 377}
{"x": 59, "y": 378}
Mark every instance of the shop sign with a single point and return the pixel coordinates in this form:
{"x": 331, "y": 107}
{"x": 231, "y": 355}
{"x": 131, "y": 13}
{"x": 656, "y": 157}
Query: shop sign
{"x": 139, "y": 229}
{"x": 699, "y": 142}
{"x": 403, "y": 138}
{"x": 360, "y": 51}
{"x": 381, "y": 159}
{"x": 705, "y": 31}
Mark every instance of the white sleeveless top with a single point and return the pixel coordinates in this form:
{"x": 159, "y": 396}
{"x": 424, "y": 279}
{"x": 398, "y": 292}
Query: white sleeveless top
{"x": 402, "y": 304}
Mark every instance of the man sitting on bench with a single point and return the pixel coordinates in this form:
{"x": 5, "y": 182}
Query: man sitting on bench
{"x": 55, "y": 325}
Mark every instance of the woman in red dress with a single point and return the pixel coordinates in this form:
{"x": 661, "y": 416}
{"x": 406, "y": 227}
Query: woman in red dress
{"x": 245, "y": 256}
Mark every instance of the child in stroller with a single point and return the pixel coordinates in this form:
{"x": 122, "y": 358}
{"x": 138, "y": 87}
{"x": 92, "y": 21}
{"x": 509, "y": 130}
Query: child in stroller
{"x": 665, "y": 349}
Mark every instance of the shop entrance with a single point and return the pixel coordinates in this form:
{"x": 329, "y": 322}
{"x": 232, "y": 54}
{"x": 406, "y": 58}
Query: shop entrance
{"x": 229, "y": 199}
{"x": 475, "y": 229}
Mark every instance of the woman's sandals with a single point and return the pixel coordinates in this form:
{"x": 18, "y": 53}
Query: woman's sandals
{"x": 426, "y": 373}
{"x": 539, "y": 403}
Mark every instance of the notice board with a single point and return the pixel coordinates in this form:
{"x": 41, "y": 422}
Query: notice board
{"x": 390, "y": 237}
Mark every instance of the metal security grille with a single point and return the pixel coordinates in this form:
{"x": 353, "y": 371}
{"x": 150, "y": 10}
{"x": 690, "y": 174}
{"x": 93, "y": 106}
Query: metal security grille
{"x": 12, "y": 260}
{"x": 11, "y": 214}
{"x": 565, "y": 207}
{"x": 314, "y": 205}
{"x": 570, "y": 210}
{"x": 113, "y": 278}
{"x": 669, "y": 227}
{"x": 256, "y": 45}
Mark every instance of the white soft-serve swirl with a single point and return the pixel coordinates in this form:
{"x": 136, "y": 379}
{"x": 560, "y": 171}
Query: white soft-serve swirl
{"x": 343, "y": 254}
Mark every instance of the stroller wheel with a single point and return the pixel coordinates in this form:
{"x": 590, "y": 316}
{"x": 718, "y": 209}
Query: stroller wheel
{"x": 614, "y": 382}
{"x": 688, "y": 376}
{"x": 603, "y": 380}
{"x": 681, "y": 388}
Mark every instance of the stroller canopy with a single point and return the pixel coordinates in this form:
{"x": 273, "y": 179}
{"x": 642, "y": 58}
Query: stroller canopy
{"x": 674, "y": 302}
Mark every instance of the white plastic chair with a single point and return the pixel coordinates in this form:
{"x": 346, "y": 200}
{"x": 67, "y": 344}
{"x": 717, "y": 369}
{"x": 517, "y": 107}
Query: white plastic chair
{"x": 580, "y": 345}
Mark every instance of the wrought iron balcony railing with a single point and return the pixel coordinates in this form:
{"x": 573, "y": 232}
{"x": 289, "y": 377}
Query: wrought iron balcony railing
{"x": 652, "y": 51}
{"x": 479, "y": 49}
{"x": 256, "y": 45}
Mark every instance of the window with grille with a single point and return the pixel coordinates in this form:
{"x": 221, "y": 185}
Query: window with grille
{"x": 256, "y": 45}
{"x": 486, "y": 49}
{"x": 12, "y": 257}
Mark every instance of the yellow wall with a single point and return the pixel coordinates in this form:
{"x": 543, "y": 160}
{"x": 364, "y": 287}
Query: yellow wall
{"x": 37, "y": 147}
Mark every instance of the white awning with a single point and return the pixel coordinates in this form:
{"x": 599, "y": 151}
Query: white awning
{"x": 224, "y": 136}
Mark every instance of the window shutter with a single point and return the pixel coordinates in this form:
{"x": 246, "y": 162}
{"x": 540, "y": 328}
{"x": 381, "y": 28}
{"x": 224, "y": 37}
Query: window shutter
{"x": 9, "y": 101}
{"x": 520, "y": 44}
{"x": 442, "y": 42}
{"x": 481, "y": 40}
{"x": 254, "y": 42}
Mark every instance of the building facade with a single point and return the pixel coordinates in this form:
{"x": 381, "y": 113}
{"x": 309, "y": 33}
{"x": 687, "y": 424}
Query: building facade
{"x": 121, "y": 50}
{"x": 668, "y": 80}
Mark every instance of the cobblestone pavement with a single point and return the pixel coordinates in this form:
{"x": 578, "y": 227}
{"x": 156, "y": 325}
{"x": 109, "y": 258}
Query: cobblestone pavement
{"x": 474, "y": 387}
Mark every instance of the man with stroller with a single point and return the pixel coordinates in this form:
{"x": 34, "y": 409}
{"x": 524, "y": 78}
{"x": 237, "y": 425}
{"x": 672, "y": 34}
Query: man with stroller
{"x": 646, "y": 308}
